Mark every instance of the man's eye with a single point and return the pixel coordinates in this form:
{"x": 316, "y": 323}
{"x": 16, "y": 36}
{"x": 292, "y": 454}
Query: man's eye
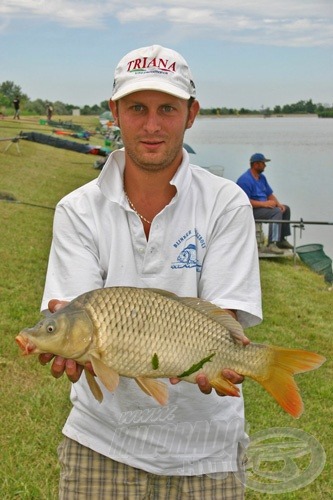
{"x": 137, "y": 107}
{"x": 168, "y": 109}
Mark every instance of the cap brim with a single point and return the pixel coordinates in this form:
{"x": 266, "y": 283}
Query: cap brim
{"x": 263, "y": 160}
{"x": 150, "y": 85}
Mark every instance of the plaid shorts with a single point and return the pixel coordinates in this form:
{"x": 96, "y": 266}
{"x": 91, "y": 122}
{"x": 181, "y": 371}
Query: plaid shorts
{"x": 86, "y": 475}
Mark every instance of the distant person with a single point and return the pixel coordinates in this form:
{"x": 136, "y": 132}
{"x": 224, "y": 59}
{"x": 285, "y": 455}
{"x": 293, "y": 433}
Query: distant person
{"x": 49, "y": 111}
{"x": 16, "y": 103}
{"x": 265, "y": 204}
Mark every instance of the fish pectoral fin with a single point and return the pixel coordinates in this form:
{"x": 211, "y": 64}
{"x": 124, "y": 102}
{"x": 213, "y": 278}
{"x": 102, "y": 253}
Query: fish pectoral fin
{"x": 93, "y": 386}
{"x": 224, "y": 386}
{"x": 154, "y": 388}
{"x": 107, "y": 375}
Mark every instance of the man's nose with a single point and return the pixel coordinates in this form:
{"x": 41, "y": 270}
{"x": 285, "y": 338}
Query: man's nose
{"x": 152, "y": 123}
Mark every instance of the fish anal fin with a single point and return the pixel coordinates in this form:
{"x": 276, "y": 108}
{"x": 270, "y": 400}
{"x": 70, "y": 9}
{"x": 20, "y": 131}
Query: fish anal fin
{"x": 224, "y": 386}
{"x": 279, "y": 381}
{"x": 154, "y": 388}
{"x": 93, "y": 386}
{"x": 107, "y": 375}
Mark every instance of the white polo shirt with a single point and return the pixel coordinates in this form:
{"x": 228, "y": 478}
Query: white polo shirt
{"x": 201, "y": 244}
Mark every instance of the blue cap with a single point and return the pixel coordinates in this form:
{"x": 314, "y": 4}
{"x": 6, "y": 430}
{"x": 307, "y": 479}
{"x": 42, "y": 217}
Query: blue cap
{"x": 258, "y": 157}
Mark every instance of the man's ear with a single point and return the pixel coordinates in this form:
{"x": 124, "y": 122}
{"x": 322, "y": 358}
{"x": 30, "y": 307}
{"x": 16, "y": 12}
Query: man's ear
{"x": 193, "y": 111}
{"x": 114, "y": 111}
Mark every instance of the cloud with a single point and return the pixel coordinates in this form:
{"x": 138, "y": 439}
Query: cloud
{"x": 71, "y": 13}
{"x": 274, "y": 22}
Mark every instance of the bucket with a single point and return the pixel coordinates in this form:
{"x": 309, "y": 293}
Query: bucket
{"x": 314, "y": 256}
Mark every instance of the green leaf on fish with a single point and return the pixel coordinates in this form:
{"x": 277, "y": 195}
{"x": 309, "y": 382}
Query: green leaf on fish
{"x": 155, "y": 362}
{"x": 194, "y": 368}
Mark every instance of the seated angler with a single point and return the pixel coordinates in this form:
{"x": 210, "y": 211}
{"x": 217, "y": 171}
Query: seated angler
{"x": 265, "y": 204}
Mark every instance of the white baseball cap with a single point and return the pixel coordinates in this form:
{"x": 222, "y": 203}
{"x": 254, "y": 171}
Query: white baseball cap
{"x": 153, "y": 68}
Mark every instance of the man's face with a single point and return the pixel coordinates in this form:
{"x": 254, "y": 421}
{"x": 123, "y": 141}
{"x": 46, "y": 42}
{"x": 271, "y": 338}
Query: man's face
{"x": 259, "y": 166}
{"x": 152, "y": 128}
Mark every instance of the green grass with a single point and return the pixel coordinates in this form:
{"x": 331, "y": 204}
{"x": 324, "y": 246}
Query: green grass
{"x": 34, "y": 406}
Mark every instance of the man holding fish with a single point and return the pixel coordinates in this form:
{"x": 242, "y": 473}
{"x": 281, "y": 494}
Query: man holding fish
{"x": 153, "y": 220}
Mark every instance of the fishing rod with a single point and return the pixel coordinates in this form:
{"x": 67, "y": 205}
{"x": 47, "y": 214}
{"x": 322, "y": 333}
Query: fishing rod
{"x": 299, "y": 222}
{"x": 11, "y": 199}
{"x": 4, "y": 139}
{"x": 32, "y": 204}
{"x": 11, "y": 140}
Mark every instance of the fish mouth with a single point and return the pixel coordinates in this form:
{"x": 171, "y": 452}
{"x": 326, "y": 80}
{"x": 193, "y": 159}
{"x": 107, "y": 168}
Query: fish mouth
{"x": 25, "y": 345}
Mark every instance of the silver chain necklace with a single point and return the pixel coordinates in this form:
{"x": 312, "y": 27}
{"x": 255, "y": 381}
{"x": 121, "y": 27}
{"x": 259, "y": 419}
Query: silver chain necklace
{"x": 135, "y": 210}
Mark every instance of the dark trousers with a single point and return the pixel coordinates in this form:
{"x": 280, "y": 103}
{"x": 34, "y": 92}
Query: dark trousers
{"x": 277, "y": 232}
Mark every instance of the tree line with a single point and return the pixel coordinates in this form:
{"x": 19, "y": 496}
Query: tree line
{"x": 300, "y": 107}
{"x": 9, "y": 90}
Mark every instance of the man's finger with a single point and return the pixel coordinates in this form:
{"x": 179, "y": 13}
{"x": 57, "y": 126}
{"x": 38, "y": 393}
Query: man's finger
{"x": 203, "y": 384}
{"x": 234, "y": 377}
{"x": 73, "y": 370}
{"x": 58, "y": 366}
{"x": 45, "y": 358}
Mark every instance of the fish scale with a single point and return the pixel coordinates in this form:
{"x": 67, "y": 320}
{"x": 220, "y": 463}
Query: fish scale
{"x": 147, "y": 334}
{"x": 140, "y": 327}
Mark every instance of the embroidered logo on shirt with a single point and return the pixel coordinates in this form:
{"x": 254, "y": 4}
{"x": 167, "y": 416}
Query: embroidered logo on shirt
{"x": 187, "y": 258}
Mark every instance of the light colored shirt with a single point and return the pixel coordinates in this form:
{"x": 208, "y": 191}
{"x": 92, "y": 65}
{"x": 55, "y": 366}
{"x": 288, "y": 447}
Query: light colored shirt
{"x": 203, "y": 245}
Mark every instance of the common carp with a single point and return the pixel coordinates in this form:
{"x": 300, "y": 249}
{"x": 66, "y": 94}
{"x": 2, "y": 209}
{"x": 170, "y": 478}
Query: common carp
{"x": 146, "y": 334}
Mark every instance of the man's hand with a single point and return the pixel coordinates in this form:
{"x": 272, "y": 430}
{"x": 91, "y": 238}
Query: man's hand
{"x": 270, "y": 204}
{"x": 62, "y": 365}
{"x": 205, "y": 386}
{"x": 203, "y": 382}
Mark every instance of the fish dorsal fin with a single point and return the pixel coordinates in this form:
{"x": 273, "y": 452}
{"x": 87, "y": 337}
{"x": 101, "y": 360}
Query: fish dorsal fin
{"x": 164, "y": 293}
{"x": 93, "y": 386}
{"x": 154, "y": 388}
{"x": 208, "y": 309}
{"x": 107, "y": 375}
{"x": 217, "y": 314}
{"x": 231, "y": 324}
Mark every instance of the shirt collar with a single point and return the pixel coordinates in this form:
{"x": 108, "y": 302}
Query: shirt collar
{"x": 110, "y": 180}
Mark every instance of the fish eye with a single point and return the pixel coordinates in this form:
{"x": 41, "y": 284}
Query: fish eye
{"x": 51, "y": 327}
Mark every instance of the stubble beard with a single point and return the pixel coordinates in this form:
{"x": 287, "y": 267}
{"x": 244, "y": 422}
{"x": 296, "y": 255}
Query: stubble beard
{"x": 155, "y": 163}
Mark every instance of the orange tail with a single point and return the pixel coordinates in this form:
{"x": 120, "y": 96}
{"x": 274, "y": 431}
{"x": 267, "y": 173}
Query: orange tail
{"x": 280, "y": 382}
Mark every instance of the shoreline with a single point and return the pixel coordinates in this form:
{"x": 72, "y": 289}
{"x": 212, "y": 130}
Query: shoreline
{"x": 255, "y": 115}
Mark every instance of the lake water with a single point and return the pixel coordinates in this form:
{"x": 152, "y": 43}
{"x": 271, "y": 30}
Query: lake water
{"x": 301, "y": 167}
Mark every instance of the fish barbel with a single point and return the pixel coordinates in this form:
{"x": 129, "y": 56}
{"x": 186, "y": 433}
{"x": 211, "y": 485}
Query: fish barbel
{"x": 145, "y": 334}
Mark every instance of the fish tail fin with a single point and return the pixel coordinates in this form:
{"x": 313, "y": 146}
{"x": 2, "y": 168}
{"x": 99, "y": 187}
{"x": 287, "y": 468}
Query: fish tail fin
{"x": 280, "y": 382}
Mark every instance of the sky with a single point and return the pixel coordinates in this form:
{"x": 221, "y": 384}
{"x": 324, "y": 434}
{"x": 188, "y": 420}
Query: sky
{"x": 242, "y": 53}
